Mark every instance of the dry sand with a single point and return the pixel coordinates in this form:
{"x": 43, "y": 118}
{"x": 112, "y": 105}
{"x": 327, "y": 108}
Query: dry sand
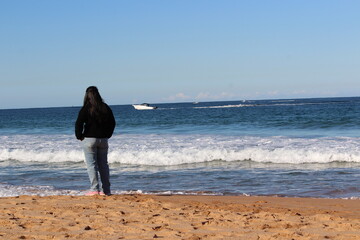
{"x": 178, "y": 217}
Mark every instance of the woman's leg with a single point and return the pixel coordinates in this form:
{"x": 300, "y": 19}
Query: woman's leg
{"x": 103, "y": 164}
{"x": 90, "y": 151}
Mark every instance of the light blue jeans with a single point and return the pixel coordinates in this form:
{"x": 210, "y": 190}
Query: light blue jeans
{"x": 96, "y": 150}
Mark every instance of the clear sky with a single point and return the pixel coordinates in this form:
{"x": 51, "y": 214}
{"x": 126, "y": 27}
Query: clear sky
{"x": 177, "y": 50}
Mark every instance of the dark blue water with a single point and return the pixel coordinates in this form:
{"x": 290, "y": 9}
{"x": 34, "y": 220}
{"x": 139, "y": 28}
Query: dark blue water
{"x": 324, "y": 116}
{"x": 293, "y": 147}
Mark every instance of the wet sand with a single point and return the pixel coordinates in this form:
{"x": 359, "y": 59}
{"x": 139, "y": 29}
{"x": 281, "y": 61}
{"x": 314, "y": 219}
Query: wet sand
{"x": 178, "y": 217}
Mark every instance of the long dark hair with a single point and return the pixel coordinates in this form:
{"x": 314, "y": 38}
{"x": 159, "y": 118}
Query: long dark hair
{"x": 95, "y": 104}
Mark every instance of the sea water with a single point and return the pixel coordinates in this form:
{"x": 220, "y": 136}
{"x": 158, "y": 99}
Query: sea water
{"x": 292, "y": 147}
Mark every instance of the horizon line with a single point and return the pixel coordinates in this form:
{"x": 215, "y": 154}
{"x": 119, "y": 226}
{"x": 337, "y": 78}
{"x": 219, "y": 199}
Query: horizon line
{"x": 129, "y": 104}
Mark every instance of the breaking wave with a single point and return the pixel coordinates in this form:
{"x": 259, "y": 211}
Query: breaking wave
{"x": 167, "y": 150}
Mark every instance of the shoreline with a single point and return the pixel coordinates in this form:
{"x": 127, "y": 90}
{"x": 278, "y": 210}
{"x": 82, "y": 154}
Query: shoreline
{"x": 178, "y": 217}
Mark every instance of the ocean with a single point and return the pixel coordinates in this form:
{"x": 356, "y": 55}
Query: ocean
{"x": 292, "y": 147}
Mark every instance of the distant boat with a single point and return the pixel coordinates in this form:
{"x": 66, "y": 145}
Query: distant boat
{"x": 144, "y": 106}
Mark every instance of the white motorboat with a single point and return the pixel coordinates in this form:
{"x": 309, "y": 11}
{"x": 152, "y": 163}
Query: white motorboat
{"x": 144, "y": 106}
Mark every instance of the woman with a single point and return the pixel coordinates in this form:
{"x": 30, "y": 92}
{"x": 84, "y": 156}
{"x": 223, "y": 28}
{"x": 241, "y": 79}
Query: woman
{"x": 94, "y": 126}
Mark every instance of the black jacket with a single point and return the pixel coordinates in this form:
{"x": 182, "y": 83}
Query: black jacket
{"x": 87, "y": 126}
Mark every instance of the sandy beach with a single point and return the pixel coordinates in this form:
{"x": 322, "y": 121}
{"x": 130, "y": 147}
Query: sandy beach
{"x": 177, "y": 217}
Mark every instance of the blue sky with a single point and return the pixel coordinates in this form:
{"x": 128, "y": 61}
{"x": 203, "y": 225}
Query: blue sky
{"x": 177, "y": 51}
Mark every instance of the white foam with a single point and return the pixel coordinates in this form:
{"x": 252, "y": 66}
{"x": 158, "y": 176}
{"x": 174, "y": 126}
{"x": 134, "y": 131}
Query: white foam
{"x": 280, "y": 103}
{"x": 165, "y": 150}
{"x": 13, "y": 191}
{"x": 7, "y": 190}
{"x": 228, "y": 106}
